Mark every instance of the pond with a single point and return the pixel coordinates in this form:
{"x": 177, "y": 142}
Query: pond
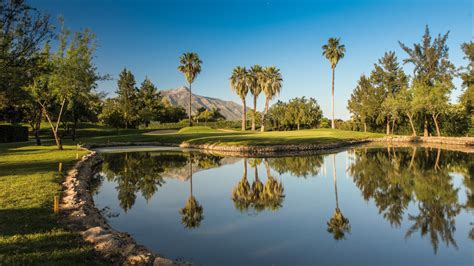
{"x": 360, "y": 206}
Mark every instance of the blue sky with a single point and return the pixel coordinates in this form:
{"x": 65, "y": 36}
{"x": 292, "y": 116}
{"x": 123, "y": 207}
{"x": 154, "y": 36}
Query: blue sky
{"x": 148, "y": 37}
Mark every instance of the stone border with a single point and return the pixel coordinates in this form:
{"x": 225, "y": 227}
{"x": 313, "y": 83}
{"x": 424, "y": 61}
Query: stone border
{"x": 458, "y": 141}
{"x": 81, "y": 216}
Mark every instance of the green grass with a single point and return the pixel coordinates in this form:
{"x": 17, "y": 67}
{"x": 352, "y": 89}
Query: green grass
{"x": 30, "y": 232}
{"x": 205, "y": 135}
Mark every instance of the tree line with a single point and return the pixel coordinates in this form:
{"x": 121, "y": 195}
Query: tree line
{"x": 388, "y": 98}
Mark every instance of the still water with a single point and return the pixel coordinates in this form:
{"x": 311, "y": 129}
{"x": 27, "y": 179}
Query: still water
{"x": 361, "y": 206}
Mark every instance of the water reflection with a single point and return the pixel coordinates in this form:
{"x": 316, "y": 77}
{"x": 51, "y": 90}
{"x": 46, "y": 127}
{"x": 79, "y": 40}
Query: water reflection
{"x": 411, "y": 187}
{"x": 395, "y": 177}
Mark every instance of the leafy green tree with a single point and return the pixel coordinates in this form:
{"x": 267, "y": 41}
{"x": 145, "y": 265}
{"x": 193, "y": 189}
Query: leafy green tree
{"x": 256, "y": 83}
{"x": 190, "y": 66}
{"x": 127, "y": 96}
{"x": 273, "y": 82}
{"x": 111, "y": 114}
{"x": 432, "y": 77}
{"x": 149, "y": 102}
{"x": 69, "y": 74}
{"x": 23, "y": 30}
{"x": 364, "y": 101}
{"x": 240, "y": 85}
{"x": 467, "y": 76}
{"x": 333, "y": 51}
{"x": 388, "y": 78}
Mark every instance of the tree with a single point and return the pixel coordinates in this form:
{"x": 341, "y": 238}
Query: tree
{"x": 239, "y": 84}
{"x": 111, "y": 114}
{"x": 149, "y": 102}
{"x": 388, "y": 77}
{"x": 69, "y": 74}
{"x": 333, "y": 51}
{"x": 272, "y": 80}
{"x": 338, "y": 225}
{"x": 23, "y": 29}
{"x": 467, "y": 76}
{"x": 127, "y": 96}
{"x": 363, "y": 101}
{"x": 256, "y": 83}
{"x": 404, "y": 104}
{"x": 432, "y": 75}
{"x": 190, "y": 66}
{"x": 191, "y": 214}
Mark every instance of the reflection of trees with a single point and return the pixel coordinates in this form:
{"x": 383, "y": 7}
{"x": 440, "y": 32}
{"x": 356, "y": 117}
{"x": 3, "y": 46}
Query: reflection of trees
{"x": 395, "y": 177}
{"x": 338, "y": 225}
{"x": 191, "y": 214}
{"x": 300, "y": 166}
{"x": 142, "y": 172}
{"x": 258, "y": 196}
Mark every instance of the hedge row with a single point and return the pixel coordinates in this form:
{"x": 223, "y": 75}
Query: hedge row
{"x": 11, "y": 133}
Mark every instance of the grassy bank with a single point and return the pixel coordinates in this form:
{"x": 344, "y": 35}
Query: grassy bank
{"x": 30, "y": 232}
{"x": 205, "y": 135}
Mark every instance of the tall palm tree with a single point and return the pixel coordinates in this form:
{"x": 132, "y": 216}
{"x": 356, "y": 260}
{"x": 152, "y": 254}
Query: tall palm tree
{"x": 333, "y": 51}
{"x": 191, "y": 214}
{"x": 256, "y": 84}
{"x": 239, "y": 84}
{"x": 272, "y": 83}
{"x": 338, "y": 225}
{"x": 190, "y": 66}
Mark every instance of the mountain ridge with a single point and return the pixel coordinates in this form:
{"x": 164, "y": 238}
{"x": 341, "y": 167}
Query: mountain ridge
{"x": 179, "y": 97}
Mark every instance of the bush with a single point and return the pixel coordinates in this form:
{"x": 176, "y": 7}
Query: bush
{"x": 13, "y": 133}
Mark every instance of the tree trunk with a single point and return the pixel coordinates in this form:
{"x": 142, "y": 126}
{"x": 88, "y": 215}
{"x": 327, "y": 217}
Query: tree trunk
{"x": 245, "y": 167}
{"x": 435, "y": 119}
{"x": 57, "y": 139}
{"x": 333, "y": 124}
{"x": 425, "y": 128}
{"x": 190, "y": 96}
{"x": 298, "y": 126}
{"x": 191, "y": 178}
{"x": 267, "y": 100}
{"x": 244, "y": 115}
{"x": 365, "y": 126}
{"x": 37, "y": 127}
{"x": 335, "y": 179}
{"x": 410, "y": 118}
{"x": 388, "y": 126}
{"x": 393, "y": 126}
{"x": 254, "y": 112}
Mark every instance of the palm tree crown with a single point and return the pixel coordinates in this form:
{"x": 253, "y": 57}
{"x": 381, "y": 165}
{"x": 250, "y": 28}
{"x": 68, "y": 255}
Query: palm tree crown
{"x": 272, "y": 82}
{"x": 239, "y": 81}
{"x": 190, "y": 66}
{"x": 334, "y": 51}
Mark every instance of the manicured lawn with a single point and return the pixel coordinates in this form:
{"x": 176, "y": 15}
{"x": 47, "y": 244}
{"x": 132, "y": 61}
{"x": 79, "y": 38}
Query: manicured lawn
{"x": 203, "y": 135}
{"x": 29, "y": 230}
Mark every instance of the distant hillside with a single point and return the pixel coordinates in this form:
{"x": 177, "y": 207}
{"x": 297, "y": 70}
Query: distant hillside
{"x": 179, "y": 97}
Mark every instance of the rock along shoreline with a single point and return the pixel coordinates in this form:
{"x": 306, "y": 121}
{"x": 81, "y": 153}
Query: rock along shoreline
{"x": 80, "y": 214}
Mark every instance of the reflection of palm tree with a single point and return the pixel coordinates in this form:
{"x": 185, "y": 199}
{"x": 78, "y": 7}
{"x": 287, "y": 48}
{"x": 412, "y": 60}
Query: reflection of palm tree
{"x": 191, "y": 214}
{"x": 257, "y": 188}
{"x": 241, "y": 195}
{"x": 273, "y": 191}
{"x": 338, "y": 225}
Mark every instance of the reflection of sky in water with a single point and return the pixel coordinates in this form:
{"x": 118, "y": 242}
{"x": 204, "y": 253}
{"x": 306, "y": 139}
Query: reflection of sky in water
{"x": 295, "y": 234}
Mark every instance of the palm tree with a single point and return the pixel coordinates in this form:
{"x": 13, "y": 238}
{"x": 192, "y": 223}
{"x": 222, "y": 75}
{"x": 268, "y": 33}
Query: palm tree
{"x": 338, "y": 225}
{"x": 272, "y": 83}
{"x": 273, "y": 191}
{"x": 256, "y": 83}
{"x": 190, "y": 66}
{"x": 333, "y": 51}
{"x": 191, "y": 214}
{"x": 239, "y": 84}
{"x": 241, "y": 194}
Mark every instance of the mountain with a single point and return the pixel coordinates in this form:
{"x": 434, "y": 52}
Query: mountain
{"x": 180, "y": 97}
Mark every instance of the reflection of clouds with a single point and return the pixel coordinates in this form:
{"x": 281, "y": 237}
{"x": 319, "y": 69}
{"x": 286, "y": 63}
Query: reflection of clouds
{"x": 230, "y": 228}
{"x": 269, "y": 250}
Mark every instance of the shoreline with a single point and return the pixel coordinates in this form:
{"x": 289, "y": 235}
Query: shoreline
{"x": 80, "y": 214}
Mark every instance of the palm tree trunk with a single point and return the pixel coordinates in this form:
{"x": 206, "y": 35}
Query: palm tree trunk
{"x": 190, "y": 96}
{"x": 335, "y": 179}
{"x": 244, "y": 114}
{"x": 191, "y": 178}
{"x": 267, "y": 100}
{"x": 435, "y": 119}
{"x": 254, "y": 112}
{"x": 333, "y": 124}
{"x": 245, "y": 167}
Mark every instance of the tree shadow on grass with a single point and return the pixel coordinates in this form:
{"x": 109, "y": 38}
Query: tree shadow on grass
{"x": 34, "y": 236}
